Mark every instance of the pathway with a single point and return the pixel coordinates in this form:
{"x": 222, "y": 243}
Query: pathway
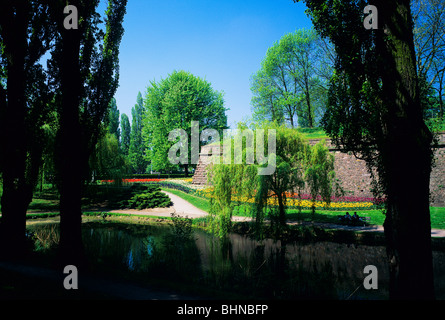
{"x": 180, "y": 207}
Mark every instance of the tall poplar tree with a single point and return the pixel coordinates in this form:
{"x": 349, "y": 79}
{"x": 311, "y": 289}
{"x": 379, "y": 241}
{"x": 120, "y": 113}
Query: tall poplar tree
{"x": 113, "y": 120}
{"x": 25, "y": 36}
{"x": 137, "y": 149}
{"x": 85, "y": 67}
{"x": 125, "y": 134}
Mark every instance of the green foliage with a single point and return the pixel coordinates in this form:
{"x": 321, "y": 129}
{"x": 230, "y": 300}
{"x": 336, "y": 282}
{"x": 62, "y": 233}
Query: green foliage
{"x": 136, "y": 148}
{"x": 225, "y": 180}
{"x": 125, "y": 134}
{"x": 297, "y": 166}
{"x": 288, "y": 177}
{"x": 319, "y": 173}
{"x": 151, "y": 198}
{"x": 113, "y": 119}
{"x": 429, "y": 23}
{"x": 291, "y": 84}
{"x": 436, "y": 124}
{"x": 313, "y": 133}
{"x": 181, "y": 228}
{"x": 173, "y": 103}
{"x": 108, "y": 162}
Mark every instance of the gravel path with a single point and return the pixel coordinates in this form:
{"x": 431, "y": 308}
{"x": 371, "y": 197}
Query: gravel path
{"x": 180, "y": 207}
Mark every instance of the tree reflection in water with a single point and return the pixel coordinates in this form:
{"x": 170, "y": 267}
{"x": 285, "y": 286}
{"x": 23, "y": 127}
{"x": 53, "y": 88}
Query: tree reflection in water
{"x": 237, "y": 264}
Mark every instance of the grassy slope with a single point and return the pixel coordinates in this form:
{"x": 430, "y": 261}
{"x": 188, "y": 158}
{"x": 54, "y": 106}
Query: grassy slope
{"x": 313, "y": 133}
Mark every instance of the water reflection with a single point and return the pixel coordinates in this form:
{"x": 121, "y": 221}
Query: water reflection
{"x": 255, "y": 269}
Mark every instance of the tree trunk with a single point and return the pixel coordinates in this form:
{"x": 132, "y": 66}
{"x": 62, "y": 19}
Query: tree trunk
{"x": 309, "y": 106}
{"x": 15, "y": 202}
{"x": 186, "y": 170}
{"x": 441, "y": 107}
{"x": 70, "y": 153}
{"x": 281, "y": 210}
{"x": 406, "y": 154}
{"x": 17, "y": 192}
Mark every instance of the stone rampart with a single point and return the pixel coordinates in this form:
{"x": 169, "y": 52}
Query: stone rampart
{"x": 352, "y": 173}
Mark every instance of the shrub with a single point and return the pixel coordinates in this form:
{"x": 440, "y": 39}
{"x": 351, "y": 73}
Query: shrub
{"x": 151, "y": 198}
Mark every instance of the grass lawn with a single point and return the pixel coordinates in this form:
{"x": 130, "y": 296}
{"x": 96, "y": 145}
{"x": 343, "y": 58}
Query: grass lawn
{"x": 313, "y": 133}
{"x": 437, "y": 217}
{"x": 43, "y": 205}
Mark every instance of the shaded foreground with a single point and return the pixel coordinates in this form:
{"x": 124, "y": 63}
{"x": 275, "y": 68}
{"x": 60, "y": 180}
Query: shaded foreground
{"x": 129, "y": 261}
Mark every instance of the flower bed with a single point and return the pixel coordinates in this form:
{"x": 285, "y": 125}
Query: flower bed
{"x": 304, "y": 201}
{"x": 133, "y": 181}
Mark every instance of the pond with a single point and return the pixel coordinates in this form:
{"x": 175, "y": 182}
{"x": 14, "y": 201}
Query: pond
{"x": 238, "y": 266}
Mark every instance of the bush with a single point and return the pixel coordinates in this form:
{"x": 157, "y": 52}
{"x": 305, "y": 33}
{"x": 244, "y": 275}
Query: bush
{"x": 151, "y": 198}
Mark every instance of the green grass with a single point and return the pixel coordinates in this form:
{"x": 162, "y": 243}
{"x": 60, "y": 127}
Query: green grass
{"x": 328, "y": 216}
{"x": 437, "y": 217}
{"x": 436, "y": 125}
{"x": 43, "y": 205}
{"x": 313, "y": 133}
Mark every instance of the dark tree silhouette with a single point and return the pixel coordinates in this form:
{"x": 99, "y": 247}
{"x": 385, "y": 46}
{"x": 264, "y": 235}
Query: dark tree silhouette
{"x": 374, "y": 110}
{"x": 25, "y": 34}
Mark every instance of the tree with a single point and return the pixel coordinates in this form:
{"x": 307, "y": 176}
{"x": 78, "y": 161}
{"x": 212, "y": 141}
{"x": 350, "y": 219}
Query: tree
{"x": 109, "y": 162}
{"x": 291, "y": 83}
{"x": 125, "y": 134}
{"x": 113, "y": 119}
{"x": 84, "y": 67}
{"x": 374, "y": 111}
{"x": 298, "y": 165}
{"x": 429, "y": 27}
{"x": 288, "y": 177}
{"x": 320, "y": 173}
{"x": 25, "y": 36}
{"x": 137, "y": 149}
{"x": 173, "y": 103}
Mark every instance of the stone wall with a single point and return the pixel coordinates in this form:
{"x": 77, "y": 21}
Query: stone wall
{"x": 352, "y": 173}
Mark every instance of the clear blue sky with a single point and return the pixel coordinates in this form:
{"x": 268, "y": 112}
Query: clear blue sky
{"x": 220, "y": 41}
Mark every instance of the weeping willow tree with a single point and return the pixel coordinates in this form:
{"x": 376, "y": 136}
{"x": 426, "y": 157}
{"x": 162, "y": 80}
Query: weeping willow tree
{"x": 320, "y": 174}
{"x": 298, "y": 166}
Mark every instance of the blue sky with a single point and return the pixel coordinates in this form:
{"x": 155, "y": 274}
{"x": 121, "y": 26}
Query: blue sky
{"x": 220, "y": 41}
